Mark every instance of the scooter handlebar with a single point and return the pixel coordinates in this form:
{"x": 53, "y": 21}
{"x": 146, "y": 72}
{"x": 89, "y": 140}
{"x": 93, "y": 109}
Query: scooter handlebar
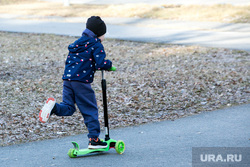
{"x": 113, "y": 68}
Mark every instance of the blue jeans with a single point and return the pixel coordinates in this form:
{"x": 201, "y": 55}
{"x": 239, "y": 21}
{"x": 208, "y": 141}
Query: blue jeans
{"x": 84, "y": 96}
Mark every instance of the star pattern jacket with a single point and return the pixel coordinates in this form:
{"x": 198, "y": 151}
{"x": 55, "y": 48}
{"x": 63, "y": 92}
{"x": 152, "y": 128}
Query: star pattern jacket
{"x": 86, "y": 55}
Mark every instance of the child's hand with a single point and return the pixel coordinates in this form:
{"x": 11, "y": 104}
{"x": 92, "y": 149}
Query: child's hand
{"x": 113, "y": 68}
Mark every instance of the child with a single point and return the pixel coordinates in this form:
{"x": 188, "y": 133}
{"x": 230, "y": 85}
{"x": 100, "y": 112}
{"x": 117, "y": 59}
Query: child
{"x": 86, "y": 55}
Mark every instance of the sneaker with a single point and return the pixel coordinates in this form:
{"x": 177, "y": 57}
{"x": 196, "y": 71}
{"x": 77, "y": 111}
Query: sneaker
{"x": 96, "y": 143}
{"x": 46, "y": 110}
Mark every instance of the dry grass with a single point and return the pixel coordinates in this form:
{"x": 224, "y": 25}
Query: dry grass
{"x": 11, "y": 2}
{"x": 154, "y": 82}
{"x": 218, "y": 13}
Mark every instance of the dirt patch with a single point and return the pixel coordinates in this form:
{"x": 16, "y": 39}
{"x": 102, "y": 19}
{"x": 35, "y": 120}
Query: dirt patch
{"x": 153, "y": 82}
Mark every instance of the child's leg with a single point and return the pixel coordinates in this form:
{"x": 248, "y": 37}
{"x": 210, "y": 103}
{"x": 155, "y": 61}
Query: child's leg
{"x": 67, "y": 107}
{"x": 86, "y": 102}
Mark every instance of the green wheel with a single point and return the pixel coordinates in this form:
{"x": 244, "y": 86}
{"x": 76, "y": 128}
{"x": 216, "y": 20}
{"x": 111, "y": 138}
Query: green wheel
{"x": 120, "y": 147}
{"x": 71, "y": 153}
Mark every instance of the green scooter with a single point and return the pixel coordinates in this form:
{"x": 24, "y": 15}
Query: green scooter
{"x": 119, "y": 145}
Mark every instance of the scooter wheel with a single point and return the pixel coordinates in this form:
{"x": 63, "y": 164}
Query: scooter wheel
{"x": 71, "y": 153}
{"x": 120, "y": 147}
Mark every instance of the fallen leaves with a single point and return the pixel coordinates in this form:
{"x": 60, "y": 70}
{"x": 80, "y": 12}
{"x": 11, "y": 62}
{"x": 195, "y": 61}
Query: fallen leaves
{"x": 153, "y": 82}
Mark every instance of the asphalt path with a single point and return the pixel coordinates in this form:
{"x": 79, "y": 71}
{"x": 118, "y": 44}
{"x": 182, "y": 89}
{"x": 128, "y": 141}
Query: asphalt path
{"x": 232, "y": 36}
{"x": 166, "y": 143}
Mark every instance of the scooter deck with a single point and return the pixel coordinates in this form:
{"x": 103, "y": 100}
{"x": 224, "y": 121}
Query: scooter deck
{"x": 76, "y": 151}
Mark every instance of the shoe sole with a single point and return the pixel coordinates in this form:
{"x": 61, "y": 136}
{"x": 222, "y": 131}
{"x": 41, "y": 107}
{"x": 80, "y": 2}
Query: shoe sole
{"x": 46, "y": 110}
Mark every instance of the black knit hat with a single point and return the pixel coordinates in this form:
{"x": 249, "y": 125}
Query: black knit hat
{"x": 96, "y": 25}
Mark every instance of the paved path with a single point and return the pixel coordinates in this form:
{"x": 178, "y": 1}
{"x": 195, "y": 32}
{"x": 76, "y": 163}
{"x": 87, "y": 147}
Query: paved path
{"x": 167, "y": 143}
{"x": 233, "y": 36}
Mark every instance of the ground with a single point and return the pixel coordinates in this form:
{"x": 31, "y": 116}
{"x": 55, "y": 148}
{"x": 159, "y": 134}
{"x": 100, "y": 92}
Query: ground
{"x": 153, "y": 82}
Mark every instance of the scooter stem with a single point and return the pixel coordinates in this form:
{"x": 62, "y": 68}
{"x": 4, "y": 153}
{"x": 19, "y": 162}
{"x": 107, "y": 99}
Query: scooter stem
{"x": 105, "y": 107}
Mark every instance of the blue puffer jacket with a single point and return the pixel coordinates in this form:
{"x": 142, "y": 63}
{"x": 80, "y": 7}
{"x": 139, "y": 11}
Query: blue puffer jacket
{"x": 86, "y": 55}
